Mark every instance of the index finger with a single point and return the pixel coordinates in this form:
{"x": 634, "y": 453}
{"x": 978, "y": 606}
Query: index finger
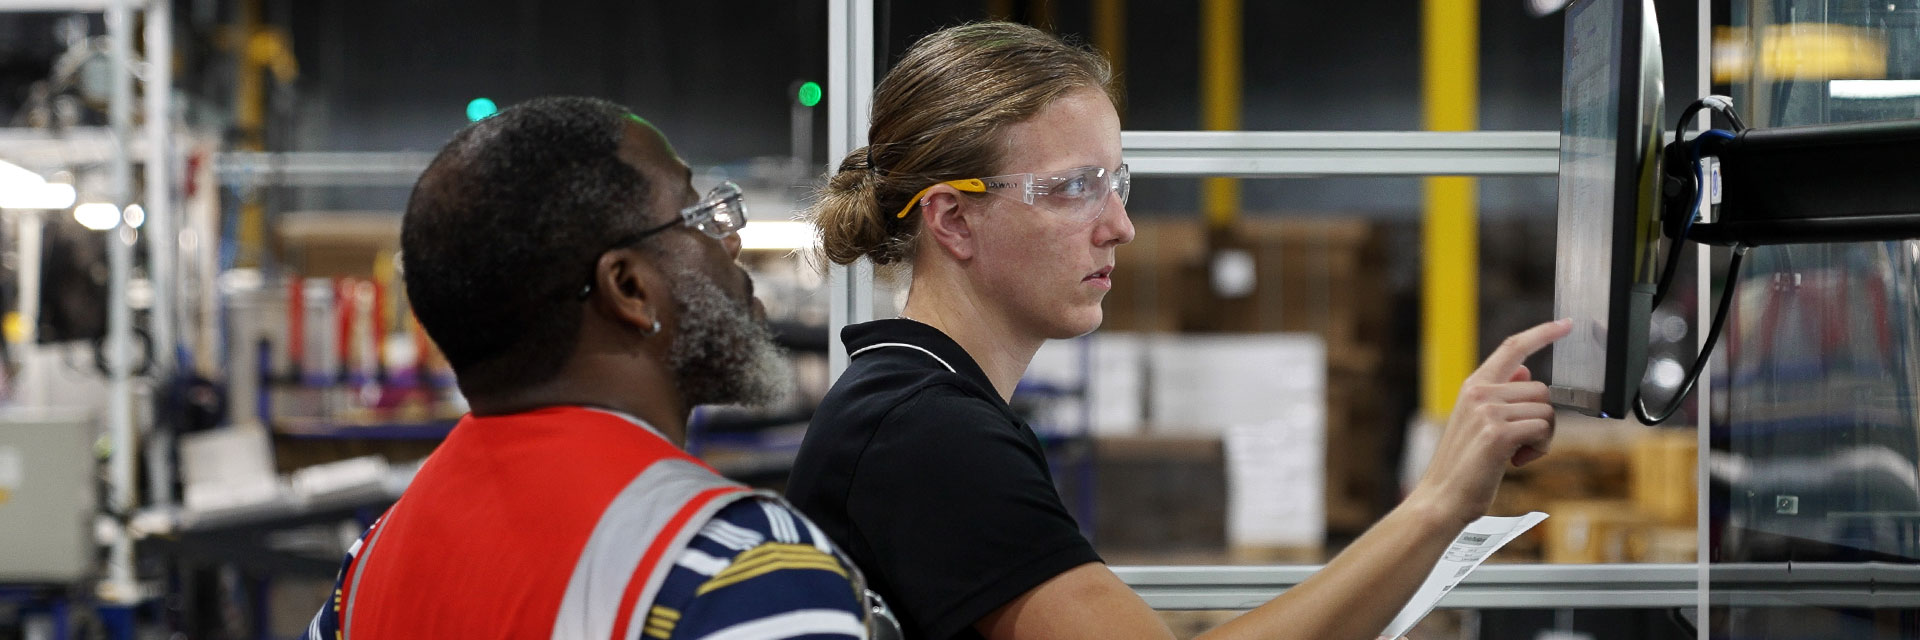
{"x": 1506, "y": 359}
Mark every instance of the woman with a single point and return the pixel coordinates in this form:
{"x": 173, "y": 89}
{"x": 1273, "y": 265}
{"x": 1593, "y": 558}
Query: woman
{"x": 994, "y": 171}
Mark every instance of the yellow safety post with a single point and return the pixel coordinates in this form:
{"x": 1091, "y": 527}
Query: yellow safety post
{"x": 258, "y": 49}
{"x": 1000, "y": 9}
{"x": 1040, "y": 14}
{"x": 1220, "y": 99}
{"x": 1110, "y": 36}
{"x": 1450, "y": 301}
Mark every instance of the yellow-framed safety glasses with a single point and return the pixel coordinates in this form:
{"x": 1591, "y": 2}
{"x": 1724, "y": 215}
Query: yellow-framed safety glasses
{"x": 1079, "y": 193}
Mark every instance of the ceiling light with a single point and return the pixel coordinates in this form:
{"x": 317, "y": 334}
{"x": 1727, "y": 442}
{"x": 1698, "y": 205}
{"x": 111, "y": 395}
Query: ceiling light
{"x": 98, "y": 216}
{"x": 24, "y": 189}
{"x": 41, "y": 196}
{"x": 1873, "y": 89}
{"x": 777, "y": 235}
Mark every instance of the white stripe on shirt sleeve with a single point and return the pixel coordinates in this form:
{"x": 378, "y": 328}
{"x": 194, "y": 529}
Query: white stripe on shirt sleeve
{"x": 780, "y": 523}
{"x": 794, "y": 624}
{"x": 699, "y": 562}
{"x": 731, "y": 535}
{"x": 787, "y": 520}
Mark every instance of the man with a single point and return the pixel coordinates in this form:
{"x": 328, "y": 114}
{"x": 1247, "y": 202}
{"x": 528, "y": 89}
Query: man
{"x": 587, "y": 299}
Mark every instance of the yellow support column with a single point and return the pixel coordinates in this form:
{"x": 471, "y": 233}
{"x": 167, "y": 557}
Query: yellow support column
{"x": 1110, "y": 36}
{"x": 1040, "y": 14}
{"x": 1220, "y": 99}
{"x": 1450, "y": 301}
{"x": 258, "y": 49}
{"x": 1000, "y": 9}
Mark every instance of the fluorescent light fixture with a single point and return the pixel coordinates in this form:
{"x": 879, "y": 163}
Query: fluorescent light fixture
{"x": 135, "y": 216}
{"x": 41, "y": 196}
{"x": 1873, "y": 89}
{"x": 98, "y": 216}
{"x": 13, "y": 175}
{"x": 777, "y": 235}
{"x": 23, "y": 189}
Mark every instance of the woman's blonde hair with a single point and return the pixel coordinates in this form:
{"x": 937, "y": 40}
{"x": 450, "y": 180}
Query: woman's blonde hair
{"x": 939, "y": 115}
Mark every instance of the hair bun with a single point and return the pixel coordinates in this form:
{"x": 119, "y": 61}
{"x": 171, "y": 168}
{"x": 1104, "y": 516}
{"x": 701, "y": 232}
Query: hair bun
{"x": 848, "y": 217}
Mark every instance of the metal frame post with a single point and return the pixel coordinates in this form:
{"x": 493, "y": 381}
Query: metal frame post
{"x": 163, "y": 242}
{"x": 119, "y": 587}
{"x": 850, "y": 95}
{"x": 1702, "y": 391}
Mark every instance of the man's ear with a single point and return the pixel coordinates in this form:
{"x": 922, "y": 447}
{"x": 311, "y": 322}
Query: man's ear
{"x": 948, "y": 220}
{"x": 631, "y": 289}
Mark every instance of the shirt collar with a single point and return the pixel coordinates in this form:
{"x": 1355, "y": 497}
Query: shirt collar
{"x": 564, "y": 409}
{"x": 629, "y": 418}
{"x": 924, "y": 336}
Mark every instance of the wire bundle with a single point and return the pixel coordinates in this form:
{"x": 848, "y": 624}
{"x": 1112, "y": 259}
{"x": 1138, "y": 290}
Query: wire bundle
{"x": 1724, "y": 106}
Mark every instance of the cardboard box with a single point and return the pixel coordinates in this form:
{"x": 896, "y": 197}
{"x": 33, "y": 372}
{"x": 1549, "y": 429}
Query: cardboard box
{"x": 1594, "y": 531}
{"x": 1306, "y": 275}
{"x": 1662, "y": 484}
{"x": 1320, "y": 275}
{"x": 1201, "y": 384}
{"x": 1158, "y": 496}
{"x": 1149, "y": 274}
{"x": 337, "y": 243}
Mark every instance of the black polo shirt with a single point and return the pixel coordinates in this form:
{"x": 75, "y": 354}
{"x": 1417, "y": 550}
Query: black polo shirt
{"x": 929, "y": 481}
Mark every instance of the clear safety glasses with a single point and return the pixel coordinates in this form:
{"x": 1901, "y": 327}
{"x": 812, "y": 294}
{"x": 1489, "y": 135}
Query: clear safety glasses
{"x": 1079, "y": 194}
{"x": 722, "y": 213}
{"x": 718, "y": 215}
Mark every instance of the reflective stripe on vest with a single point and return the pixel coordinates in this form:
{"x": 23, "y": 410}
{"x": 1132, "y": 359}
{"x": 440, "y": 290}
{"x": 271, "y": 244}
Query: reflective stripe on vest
{"x": 615, "y": 580}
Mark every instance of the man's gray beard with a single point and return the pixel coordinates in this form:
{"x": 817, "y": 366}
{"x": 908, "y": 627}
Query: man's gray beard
{"x": 722, "y": 355}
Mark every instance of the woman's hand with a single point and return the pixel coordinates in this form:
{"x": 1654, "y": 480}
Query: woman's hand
{"x": 1502, "y": 416}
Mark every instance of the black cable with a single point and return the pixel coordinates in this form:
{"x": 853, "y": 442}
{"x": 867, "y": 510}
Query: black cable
{"x": 1666, "y": 273}
{"x": 1694, "y": 212}
{"x": 1679, "y": 618}
{"x": 1734, "y": 117}
{"x": 1724, "y": 106}
{"x": 1706, "y": 350}
{"x": 1717, "y": 103}
{"x": 1720, "y": 104}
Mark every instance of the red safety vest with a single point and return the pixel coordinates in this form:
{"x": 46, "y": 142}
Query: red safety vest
{"x": 556, "y": 523}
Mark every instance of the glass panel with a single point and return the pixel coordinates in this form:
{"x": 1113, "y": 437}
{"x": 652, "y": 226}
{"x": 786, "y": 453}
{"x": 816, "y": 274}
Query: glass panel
{"x": 1292, "y": 341}
{"x": 1816, "y": 437}
{"x": 1821, "y": 428}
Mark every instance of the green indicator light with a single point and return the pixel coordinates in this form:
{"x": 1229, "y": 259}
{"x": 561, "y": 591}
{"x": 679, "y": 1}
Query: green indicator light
{"x": 809, "y": 94}
{"x": 480, "y": 108}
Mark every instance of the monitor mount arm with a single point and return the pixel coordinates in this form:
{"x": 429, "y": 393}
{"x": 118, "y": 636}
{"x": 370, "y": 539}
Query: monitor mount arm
{"x": 1792, "y": 185}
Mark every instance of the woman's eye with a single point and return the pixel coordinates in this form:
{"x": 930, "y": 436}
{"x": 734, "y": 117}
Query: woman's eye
{"x": 1074, "y": 188}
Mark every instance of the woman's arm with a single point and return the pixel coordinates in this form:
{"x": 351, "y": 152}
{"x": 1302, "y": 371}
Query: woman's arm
{"x": 1503, "y": 416}
{"x": 1087, "y": 601}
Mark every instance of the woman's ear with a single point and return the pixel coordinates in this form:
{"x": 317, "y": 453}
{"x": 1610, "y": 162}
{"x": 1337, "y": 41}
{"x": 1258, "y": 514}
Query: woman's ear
{"x": 948, "y": 219}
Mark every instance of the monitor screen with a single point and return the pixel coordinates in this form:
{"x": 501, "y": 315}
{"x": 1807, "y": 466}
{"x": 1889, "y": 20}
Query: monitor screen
{"x": 1611, "y": 101}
